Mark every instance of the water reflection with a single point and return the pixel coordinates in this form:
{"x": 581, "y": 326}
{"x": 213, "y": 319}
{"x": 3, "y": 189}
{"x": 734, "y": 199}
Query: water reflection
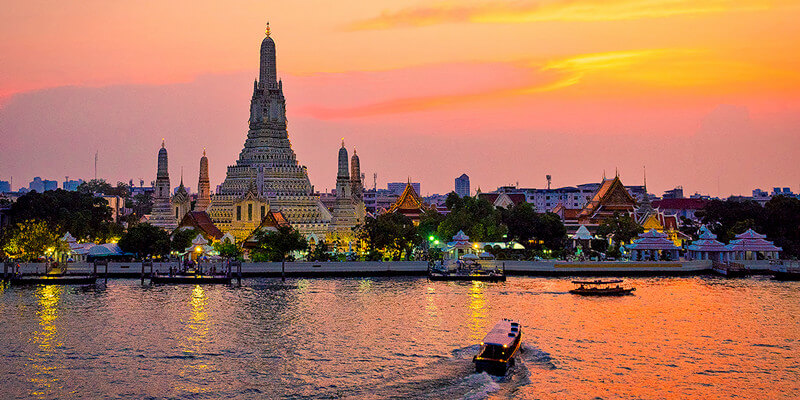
{"x": 477, "y": 311}
{"x": 43, "y": 363}
{"x": 194, "y": 344}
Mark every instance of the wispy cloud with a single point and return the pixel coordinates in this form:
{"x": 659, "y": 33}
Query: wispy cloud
{"x": 556, "y": 10}
{"x": 544, "y": 77}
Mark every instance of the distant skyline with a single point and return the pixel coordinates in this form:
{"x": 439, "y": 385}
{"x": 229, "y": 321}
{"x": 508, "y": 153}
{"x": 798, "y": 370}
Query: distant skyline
{"x": 703, "y": 93}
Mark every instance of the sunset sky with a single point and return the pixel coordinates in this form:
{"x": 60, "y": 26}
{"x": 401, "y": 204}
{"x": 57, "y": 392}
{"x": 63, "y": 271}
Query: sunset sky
{"x": 703, "y": 93}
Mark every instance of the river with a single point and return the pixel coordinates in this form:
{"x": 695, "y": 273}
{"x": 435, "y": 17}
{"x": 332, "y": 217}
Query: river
{"x": 379, "y": 338}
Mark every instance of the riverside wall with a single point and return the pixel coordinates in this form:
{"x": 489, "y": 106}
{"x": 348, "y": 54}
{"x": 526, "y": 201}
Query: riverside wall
{"x": 413, "y": 268}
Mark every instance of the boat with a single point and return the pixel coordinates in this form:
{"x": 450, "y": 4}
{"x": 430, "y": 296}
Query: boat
{"x": 53, "y": 279}
{"x": 199, "y": 279}
{"x": 499, "y": 347}
{"x": 601, "y": 288}
{"x": 467, "y": 270}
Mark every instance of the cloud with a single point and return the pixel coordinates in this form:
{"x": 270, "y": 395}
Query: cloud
{"x": 559, "y": 10}
{"x": 540, "y": 77}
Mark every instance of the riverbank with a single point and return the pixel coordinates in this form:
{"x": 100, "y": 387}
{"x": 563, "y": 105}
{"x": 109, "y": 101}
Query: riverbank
{"x": 419, "y": 268}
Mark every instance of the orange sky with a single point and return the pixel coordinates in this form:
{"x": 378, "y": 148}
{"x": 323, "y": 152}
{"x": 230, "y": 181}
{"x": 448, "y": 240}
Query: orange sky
{"x": 705, "y": 93}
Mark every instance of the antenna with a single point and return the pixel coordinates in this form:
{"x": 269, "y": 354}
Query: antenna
{"x": 549, "y": 179}
{"x": 375, "y": 181}
{"x": 95, "y": 163}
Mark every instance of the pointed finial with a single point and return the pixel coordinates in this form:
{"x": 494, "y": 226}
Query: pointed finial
{"x": 181, "y": 175}
{"x": 162, "y": 142}
{"x": 354, "y": 151}
{"x": 204, "y": 151}
{"x": 267, "y": 28}
{"x": 616, "y": 172}
{"x": 604, "y": 174}
{"x": 644, "y": 168}
{"x": 342, "y": 142}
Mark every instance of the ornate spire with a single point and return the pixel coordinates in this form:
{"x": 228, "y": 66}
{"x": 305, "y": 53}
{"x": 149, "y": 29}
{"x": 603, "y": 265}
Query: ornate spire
{"x": 267, "y": 32}
{"x": 342, "y": 142}
{"x": 204, "y": 151}
{"x": 163, "y": 141}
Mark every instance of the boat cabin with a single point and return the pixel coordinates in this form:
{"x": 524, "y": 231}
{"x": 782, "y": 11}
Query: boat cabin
{"x": 498, "y": 348}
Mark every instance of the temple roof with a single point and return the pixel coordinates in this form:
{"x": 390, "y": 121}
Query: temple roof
{"x": 652, "y": 240}
{"x": 201, "y": 221}
{"x": 610, "y": 193}
{"x": 409, "y": 200}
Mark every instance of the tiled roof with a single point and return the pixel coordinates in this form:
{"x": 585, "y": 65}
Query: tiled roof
{"x": 680, "y": 204}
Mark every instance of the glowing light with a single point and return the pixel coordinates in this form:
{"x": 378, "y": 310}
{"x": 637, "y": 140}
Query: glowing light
{"x": 198, "y": 249}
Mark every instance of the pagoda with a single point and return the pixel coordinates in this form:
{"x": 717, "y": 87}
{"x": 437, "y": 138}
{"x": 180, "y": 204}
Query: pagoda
{"x": 268, "y": 161}
{"x": 162, "y": 215}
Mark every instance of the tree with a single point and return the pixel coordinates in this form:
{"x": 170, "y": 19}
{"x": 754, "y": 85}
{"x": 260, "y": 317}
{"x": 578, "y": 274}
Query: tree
{"x": 95, "y": 186}
{"x": 782, "y": 224}
{"x": 623, "y": 227}
{"x": 429, "y": 224}
{"x": 181, "y": 239}
{"x": 478, "y": 218}
{"x": 391, "y": 233}
{"x": 227, "y": 249}
{"x": 28, "y": 240}
{"x": 729, "y": 218}
{"x": 276, "y": 245}
{"x": 550, "y": 230}
{"x": 521, "y": 221}
{"x": 82, "y": 214}
{"x": 142, "y": 204}
{"x": 145, "y": 240}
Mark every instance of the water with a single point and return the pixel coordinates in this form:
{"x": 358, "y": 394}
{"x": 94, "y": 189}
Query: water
{"x": 698, "y": 337}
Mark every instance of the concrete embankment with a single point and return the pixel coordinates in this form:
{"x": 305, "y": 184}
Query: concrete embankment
{"x": 410, "y": 268}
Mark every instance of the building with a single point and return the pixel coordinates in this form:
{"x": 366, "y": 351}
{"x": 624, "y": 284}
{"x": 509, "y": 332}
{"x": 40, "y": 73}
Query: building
{"x": 203, "y": 186}
{"x": 348, "y": 207}
{"x": 5, "y": 186}
{"x": 162, "y": 215}
{"x": 181, "y": 202}
{"x": 71, "y": 185}
{"x": 676, "y": 193}
{"x": 397, "y": 188}
{"x": 41, "y": 185}
{"x": 377, "y": 200}
{"x": 201, "y": 222}
{"x": 503, "y": 200}
{"x": 410, "y": 204}
{"x": 267, "y": 162}
{"x": 462, "y": 185}
{"x": 682, "y": 208}
{"x": 610, "y": 198}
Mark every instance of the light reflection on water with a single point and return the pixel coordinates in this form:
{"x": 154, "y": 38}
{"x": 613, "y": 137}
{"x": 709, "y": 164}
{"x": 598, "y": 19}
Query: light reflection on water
{"x": 400, "y": 338}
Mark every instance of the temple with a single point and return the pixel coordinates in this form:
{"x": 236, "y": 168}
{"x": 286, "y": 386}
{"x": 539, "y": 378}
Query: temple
{"x": 267, "y": 175}
{"x": 162, "y": 215}
{"x": 203, "y": 186}
{"x": 409, "y": 204}
{"x": 348, "y": 210}
{"x": 610, "y": 198}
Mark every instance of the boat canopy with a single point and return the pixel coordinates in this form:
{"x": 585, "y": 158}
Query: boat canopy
{"x": 503, "y": 334}
{"x": 597, "y": 282}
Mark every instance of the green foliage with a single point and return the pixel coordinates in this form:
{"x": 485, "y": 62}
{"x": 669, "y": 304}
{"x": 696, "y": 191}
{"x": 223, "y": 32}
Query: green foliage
{"x": 83, "y": 215}
{"x": 782, "y": 224}
{"x": 95, "y": 186}
{"x": 28, "y": 240}
{"x": 181, "y": 239}
{"x": 521, "y": 221}
{"x": 276, "y": 245}
{"x": 476, "y": 217}
{"x": 391, "y": 234}
{"x": 729, "y": 218}
{"x": 429, "y": 223}
{"x": 227, "y": 249}
{"x": 142, "y": 204}
{"x": 320, "y": 253}
{"x": 145, "y": 240}
{"x": 623, "y": 227}
{"x": 550, "y": 230}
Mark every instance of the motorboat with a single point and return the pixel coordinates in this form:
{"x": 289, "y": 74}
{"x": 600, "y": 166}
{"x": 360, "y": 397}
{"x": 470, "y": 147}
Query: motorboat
{"x": 601, "y": 288}
{"x": 499, "y": 347}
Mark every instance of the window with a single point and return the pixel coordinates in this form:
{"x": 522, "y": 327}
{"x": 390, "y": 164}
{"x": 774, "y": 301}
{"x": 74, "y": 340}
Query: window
{"x": 238, "y": 213}
{"x": 250, "y": 212}
{"x": 176, "y": 212}
{"x": 263, "y": 209}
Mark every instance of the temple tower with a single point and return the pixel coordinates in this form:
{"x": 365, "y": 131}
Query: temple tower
{"x": 355, "y": 177}
{"x": 162, "y": 211}
{"x": 203, "y": 186}
{"x": 268, "y": 159}
{"x": 181, "y": 203}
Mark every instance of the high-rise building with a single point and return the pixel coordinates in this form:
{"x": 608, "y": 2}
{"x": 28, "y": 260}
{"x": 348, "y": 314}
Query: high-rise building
{"x": 398, "y": 188}
{"x": 71, "y": 184}
{"x": 268, "y": 162}
{"x": 5, "y": 186}
{"x": 41, "y": 185}
{"x": 462, "y": 185}
{"x": 162, "y": 215}
{"x": 203, "y": 186}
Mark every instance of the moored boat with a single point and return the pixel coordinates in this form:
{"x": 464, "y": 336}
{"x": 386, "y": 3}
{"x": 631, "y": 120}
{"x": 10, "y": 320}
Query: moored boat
{"x": 601, "y": 288}
{"x": 499, "y": 347}
{"x": 468, "y": 270}
{"x": 786, "y": 271}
